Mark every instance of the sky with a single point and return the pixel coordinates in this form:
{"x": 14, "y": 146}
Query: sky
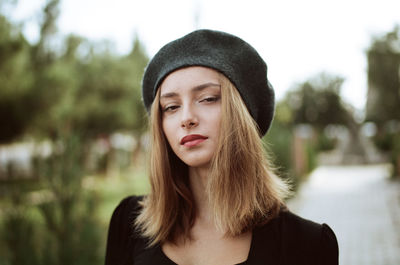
{"x": 297, "y": 39}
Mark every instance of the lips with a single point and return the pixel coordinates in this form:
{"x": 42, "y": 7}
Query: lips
{"x": 192, "y": 139}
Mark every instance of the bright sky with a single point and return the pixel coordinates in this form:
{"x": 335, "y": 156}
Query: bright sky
{"x": 297, "y": 39}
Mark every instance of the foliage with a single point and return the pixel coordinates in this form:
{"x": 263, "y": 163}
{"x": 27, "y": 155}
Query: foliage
{"x": 299, "y": 134}
{"x": 325, "y": 143}
{"x": 15, "y": 82}
{"x": 68, "y": 94}
{"x": 388, "y": 140}
{"x": 383, "y": 104}
{"x": 317, "y": 102}
{"x": 383, "y": 78}
{"x": 279, "y": 141}
{"x": 307, "y": 109}
{"x": 109, "y": 97}
{"x": 16, "y": 225}
{"x": 46, "y": 90}
{"x": 69, "y": 232}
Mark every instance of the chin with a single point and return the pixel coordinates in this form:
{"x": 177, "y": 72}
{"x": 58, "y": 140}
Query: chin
{"x": 197, "y": 162}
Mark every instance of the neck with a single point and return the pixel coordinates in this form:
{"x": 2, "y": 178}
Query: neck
{"x": 198, "y": 181}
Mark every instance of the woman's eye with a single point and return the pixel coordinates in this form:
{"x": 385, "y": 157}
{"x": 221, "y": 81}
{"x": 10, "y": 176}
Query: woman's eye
{"x": 210, "y": 99}
{"x": 170, "y": 108}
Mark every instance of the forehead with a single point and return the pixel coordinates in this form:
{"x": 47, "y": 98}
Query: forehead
{"x": 189, "y": 77}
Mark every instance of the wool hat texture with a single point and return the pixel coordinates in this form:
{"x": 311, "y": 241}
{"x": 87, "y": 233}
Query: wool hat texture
{"x": 225, "y": 53}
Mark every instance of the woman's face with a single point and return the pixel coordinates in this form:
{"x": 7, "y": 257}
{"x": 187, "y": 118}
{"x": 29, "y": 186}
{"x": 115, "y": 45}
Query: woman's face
{"x": 190, "y": 102}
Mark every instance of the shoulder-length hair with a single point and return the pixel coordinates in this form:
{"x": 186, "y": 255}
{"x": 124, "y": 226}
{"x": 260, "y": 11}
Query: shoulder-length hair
{"x": 242, "y": 189}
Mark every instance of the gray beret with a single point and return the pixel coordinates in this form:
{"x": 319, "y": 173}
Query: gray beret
{"x": 221, "y": 51}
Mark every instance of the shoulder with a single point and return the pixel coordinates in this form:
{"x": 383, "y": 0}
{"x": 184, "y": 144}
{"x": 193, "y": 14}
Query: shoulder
{"x": 302, "y": 241}
{"x": 121, "y": 232}
{"x": 307, "y": 240}
{"x": 299, "y": 228}
{"x": 128, "y": 206}
{"x": 124, "y": 214}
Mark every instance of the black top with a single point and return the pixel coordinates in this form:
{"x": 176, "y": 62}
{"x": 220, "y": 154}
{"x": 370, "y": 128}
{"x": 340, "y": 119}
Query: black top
{"x": 285, "y": 240}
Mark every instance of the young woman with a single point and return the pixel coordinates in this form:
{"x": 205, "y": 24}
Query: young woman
{"x": 214, "y": 198}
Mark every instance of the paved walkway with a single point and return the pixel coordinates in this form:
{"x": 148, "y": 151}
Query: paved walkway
{"x": 361, "y": 205}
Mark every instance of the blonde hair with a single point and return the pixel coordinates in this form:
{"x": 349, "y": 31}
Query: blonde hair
{"x": 242, "y": 189}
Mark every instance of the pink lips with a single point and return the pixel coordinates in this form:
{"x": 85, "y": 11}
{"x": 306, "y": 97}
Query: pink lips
{"x": 192, "y": 140}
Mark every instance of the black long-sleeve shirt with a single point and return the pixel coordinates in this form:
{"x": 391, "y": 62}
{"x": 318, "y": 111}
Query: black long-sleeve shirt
{"x": 285, "y": 240}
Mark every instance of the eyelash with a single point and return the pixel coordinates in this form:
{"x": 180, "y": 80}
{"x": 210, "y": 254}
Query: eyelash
{"x": 170, "y": 108}
{"x": 210, "y": 99}
{"x": 206, "y": 100}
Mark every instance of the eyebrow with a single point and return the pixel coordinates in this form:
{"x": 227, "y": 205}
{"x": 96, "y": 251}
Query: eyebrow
{"x": 194, "y": 89}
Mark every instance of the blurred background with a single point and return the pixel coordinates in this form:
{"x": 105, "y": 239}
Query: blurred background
{"x": 73, "y": 131}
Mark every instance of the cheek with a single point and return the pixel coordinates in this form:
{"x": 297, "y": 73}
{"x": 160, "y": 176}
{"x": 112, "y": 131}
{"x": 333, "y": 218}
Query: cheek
{"x": 168, "y": 130}
{"x": 217, "y": 120}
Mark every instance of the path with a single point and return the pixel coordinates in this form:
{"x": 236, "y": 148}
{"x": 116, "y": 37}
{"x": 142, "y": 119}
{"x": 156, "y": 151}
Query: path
{"x": 361, "y": 205}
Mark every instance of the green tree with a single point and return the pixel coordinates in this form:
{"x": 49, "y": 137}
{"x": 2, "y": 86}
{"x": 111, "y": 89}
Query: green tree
{"x": 70, "y": 217}
{"x": 317, "y": 101}
{"x": 69, "y": 94}
{"x": 383, "y": 102}
{"x": 41, "y": 85}
{"x": 298, "y": 133}
{"x": 16, "y": 79}
{"x": 109, "y": 97}
{"x": 279, "y": 141}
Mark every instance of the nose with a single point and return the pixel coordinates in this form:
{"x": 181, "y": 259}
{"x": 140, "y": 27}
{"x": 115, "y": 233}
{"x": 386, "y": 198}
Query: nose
{"x": 189, "y": 118}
